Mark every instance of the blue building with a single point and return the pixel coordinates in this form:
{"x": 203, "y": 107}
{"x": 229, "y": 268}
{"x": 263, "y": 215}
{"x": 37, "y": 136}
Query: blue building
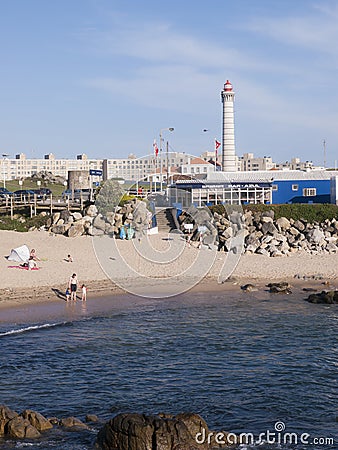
{"x": 269, "y": 187}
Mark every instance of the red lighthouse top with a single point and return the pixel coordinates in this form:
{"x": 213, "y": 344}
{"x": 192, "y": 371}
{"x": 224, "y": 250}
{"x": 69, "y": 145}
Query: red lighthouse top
{"x": 228, "y": 86}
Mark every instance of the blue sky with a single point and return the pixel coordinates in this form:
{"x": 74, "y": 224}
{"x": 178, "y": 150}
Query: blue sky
{"x": 103, "y": 77}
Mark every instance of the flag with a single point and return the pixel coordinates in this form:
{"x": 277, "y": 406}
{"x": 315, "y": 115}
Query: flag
{"x": 217, "y": 146}
{"x": 155, "y": 148}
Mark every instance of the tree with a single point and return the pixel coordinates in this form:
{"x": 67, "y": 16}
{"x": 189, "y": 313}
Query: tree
{"x": 109, "y": 196}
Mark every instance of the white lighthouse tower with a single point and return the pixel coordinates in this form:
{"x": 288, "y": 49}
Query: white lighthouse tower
{"x": 228, "y": 136}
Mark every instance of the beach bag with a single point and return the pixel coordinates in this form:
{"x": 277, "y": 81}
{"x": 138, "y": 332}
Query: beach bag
{"x": 122, "y": 233}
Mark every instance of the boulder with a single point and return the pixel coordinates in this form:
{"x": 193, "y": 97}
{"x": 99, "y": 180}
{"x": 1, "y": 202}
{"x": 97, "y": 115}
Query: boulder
{"x": 266, "y": 219}
{"x": 262, "y": 251}
{"x": 58, "y": 229}
{"x": 20, "y": 428}
{"x": 6, "y": 414}
{"x": 141, "y": 432}
{"x": 249, "y": 287}
{"x": 65, "y": 215}
{"x": 299, "y": 225}
{"x": 37, "y": 420}
{"x": 91, "y": 418}
{"x": 95, "y": 231}
{"x": 77, "y": 216}
{"x": 315, "y": 236}
{"x": 279, "y": 288}
{"x": 76, "y": 229}
{"x": 283, "y": 223}
{"x": 56, "y": 217}
{"x": 326, "y": 297}
{"x": 70, "y": 422}
{"x": 99, "y": 222}
{"x": 91, "y": 211}
{"x": 268, "y": 227}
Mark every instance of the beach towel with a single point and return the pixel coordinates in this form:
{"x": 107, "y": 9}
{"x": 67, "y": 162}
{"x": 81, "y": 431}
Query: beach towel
{"x": 24, "y": 268}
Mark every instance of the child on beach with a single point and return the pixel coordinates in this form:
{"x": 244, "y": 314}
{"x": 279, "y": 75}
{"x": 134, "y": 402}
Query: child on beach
{"x": 84, "y": 292}
{"x": 67, "y": 294}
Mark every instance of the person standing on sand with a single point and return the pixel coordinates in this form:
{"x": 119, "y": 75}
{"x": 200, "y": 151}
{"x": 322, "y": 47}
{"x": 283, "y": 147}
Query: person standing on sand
{"x": 73, "y": 286}
{"x": 84, "y": 292}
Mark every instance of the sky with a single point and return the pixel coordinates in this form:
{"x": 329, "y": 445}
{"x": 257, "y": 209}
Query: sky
{"x": 104, "y": 77}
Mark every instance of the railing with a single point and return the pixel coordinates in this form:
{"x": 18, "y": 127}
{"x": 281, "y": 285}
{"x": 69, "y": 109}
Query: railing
{"x": 36, "y": 202}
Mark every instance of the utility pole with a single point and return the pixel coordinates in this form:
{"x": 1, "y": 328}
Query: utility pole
{"x": 167, "y": 163}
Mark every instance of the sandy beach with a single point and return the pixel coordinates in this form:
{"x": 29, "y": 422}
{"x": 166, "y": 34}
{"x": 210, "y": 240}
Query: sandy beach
{"x": 19, "y": 286}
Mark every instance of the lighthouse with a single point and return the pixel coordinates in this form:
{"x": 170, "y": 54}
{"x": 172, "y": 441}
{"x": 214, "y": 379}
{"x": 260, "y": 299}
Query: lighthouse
{"x": 228, "y": 135}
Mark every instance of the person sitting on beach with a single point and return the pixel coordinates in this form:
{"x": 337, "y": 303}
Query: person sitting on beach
{"x": 69, "y": 258}
{"x": 84, "y": 292}
{"x": 73, "y": 286}
{"x": 31, "y": 263}
{"x": 33, "y": 255}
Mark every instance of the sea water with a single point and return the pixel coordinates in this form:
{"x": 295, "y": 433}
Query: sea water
{"x": 247, "y": 363}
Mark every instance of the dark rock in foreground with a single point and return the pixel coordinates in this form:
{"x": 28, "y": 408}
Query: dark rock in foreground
{"x": 163, "y": 432}
{"x": 325, "y": 297}
{"x": 279, "y": 288}
{"x": 249, "y": 288}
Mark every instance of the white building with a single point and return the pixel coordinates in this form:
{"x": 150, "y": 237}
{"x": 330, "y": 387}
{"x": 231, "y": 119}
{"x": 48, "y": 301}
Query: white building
{"x": 131, "y": 168}
{"x": 249, "y": 163}
{"x": 297, "y": 164}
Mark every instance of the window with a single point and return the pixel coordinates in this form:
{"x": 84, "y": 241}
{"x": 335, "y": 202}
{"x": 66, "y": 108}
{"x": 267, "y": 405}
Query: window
{"x": 309, "y": 192}
{"x": 275, "y": 187}
{"x": 294, "y": 187}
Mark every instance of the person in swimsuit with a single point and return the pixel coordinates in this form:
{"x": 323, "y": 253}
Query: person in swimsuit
{"x": 73, "y": 286}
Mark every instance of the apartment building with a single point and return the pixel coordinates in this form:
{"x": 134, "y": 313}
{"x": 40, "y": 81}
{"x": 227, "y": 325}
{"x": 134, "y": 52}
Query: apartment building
{"x": 130, "y": 168}
{"x": 248, "y": 163}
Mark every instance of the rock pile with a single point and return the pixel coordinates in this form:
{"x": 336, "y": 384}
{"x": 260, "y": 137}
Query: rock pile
{"x": 30, "y": 424}
{"x": 48, "y": 177}
{"x": 266, "y": 236}
{"x": 261, "y": 232}
{"x": 91, "y": 222}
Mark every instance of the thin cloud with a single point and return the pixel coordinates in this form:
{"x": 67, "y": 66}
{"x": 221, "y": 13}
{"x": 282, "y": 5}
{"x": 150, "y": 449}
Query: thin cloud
{"x": 317, "y": 31}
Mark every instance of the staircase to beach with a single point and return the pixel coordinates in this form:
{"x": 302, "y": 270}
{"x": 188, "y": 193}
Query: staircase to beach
{"x": 165, "y": 220}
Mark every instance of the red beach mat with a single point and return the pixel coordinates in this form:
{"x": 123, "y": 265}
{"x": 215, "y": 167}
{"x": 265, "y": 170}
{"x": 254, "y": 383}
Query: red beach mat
{"x": 24, "y": 268}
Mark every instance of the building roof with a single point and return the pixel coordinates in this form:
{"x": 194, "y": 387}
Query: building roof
{"x": 269, "y": 176}
{"x": 199, "y": 161}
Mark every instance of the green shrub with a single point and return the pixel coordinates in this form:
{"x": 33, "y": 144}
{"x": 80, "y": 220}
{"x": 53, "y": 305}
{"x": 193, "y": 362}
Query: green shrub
{"x": 6, "y": 223}
{"x": 311, "y": 213}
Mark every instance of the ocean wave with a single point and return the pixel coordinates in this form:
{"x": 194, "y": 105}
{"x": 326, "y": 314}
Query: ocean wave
{"x": 33, "y": 328}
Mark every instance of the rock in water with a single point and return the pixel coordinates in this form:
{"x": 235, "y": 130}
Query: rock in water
{"x": 279, "y": 288}
{"x": 326, "y": 297}
{"x": 140, "y": 432}
{"x": 249, "y": 288}
{"x": 6, "y": 414}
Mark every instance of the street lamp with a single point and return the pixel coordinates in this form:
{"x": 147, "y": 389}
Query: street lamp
{"x": 163, "y": 129}
{"x": 4, "y": 155}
